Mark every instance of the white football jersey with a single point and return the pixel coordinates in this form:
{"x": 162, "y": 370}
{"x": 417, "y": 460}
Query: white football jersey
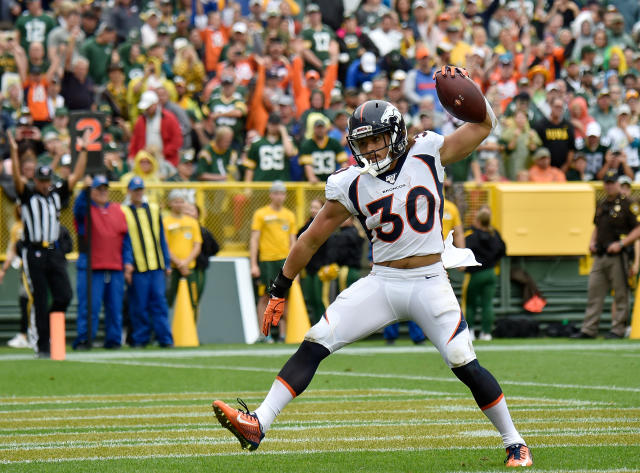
{"x": 401, "y": 210}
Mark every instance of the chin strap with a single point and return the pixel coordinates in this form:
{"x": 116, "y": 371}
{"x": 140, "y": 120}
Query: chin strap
{"x": 366, "y": 168}
{"x": 492, "y": 115}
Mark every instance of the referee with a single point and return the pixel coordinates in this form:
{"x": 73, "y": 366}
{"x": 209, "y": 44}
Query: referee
{"x": 43, "y": 261}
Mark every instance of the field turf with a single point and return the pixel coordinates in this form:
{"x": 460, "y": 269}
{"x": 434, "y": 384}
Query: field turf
{"x": 370, "y": 408}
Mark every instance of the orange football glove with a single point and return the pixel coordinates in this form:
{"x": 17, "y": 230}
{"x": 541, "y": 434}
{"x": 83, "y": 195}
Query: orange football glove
{"x": 452, "y": 71}
{"x": 272, "y": 313}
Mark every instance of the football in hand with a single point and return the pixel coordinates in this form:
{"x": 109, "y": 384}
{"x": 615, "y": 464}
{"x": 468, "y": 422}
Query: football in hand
{"x": 460, "y": 96}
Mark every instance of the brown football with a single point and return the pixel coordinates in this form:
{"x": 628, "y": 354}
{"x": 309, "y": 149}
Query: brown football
{"x": 461, "y": 97}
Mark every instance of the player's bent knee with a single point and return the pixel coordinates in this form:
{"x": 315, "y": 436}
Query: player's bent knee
{"x": 459, "y": 351}
{"x": 320, "y": 333}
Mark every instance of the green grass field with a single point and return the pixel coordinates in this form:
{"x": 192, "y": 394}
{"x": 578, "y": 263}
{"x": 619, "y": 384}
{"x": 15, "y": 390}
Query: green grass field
{"x": 370, "y": 408}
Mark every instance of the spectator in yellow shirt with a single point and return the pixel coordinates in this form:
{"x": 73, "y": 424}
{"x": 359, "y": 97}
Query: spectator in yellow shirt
{"x": 273, "y": 232}
{"x": 184, "y": 241}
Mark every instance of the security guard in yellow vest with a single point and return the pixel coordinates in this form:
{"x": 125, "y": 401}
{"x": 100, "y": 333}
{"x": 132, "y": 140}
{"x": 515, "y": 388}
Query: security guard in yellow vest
{"x": 146, "y": 277}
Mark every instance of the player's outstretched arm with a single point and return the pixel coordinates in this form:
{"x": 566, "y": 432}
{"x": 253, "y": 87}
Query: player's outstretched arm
{"x": 462, "y": 142}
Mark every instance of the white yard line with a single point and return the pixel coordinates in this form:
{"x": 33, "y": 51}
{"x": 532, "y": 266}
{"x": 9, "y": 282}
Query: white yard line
{"x": 191, "y": 440}
{"x": 296, "y": 424}
{"x": 313, "y": 451}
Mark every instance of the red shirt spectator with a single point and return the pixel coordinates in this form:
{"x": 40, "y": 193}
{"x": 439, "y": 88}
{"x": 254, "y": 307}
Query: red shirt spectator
{"x": 164, "y": 129}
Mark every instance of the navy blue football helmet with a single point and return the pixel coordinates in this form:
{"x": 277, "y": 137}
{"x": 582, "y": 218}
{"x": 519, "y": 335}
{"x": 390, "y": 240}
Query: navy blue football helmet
{"x": 376, "y": 117}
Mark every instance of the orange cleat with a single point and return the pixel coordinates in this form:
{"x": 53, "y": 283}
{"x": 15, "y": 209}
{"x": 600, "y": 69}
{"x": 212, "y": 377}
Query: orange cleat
{"x": 243, "y": 424}
{"x": 518, "y": 455}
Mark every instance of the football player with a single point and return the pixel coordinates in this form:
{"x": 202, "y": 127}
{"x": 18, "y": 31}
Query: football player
{"x": 396, "y": 193}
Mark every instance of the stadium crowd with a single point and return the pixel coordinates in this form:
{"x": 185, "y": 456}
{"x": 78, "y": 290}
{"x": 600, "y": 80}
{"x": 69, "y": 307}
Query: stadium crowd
{"x": 261, "y": 90}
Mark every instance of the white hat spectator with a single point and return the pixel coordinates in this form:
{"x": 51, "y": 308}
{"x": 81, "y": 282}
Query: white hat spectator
{"x": 177, "y": 194}
{"x": 148, "y": 99}
{"x": 239, "y": 27}
{"x": 624, "y": 179}
{"x": 278, "y": 186}
{"x": 476, "y": 51}
{"x": 593, "y": 129}
{"x": 419, "y": 4}
{"x": 368, "y": 62}
{"x": 399, "y": 75}
{"x": 180, "y": 43}
{"x": 623, "y": 109}
{"x": 551, "y": 86}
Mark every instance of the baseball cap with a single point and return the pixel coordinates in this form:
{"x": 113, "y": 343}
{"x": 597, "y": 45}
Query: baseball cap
{"x": 623, "y": 109}
{"x": 394, "y": 84}
{"x": 62, "y": 112}
{"x": 65, "y": 160}
{"x": 551, "y": 86}
{"x": 603, "y": 92}
{"x": 368, "y": 62}
{"x": 631, "y": 94}
{"x": 611, "y": 176}
{"x": 44, "y": 173}
{"x": 274, "y": 118}
{"x": 112, "y": 147}
{"x": 522, "y": 96}
{"x": 285, "y": 100}
{"x": 476, "y": 51}
{"x": 312, "y": 74}
{"x": 278, "y": 186}
{"x": 239, "y": 27}
{"x": 399, "y": 75}
{"x": 541, "y": 153}
{"x": 180, "y": 43}
{"x": 227, "y": 79}
{"x": 34, "y": 69}
{"x": 135, "y": 183}
{"x": 99, "y": 180}
{"x": 176, "y": 194}
{"x": 187, "y": 156}
{"x": 319, "y": 122}
{"x": 147, "y": 100}
{"x": 624, "y": 179}
{"x": 593, "y": 129}
{"x": 422, "y": 52}
{"x": 50, "y": 135}
{"x": 419, "y": 4}
{"x": 312, "y": 8}
{"x": 104, "y": 27}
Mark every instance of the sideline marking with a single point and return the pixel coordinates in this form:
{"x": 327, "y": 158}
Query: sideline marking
{"x": 355, "y": 350}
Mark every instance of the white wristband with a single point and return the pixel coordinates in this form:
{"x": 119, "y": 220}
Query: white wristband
{"x": 492, "y": 115}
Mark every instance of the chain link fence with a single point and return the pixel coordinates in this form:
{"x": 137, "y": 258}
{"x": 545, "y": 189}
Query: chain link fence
{"x": 226, "y": 208}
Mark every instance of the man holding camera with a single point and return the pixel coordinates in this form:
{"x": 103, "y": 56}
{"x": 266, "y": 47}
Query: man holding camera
{"x": 616, "y": 228}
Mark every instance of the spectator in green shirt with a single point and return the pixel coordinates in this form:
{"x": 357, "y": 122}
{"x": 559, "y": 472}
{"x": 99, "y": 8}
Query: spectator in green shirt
{"x": 216, "y": 158}
{"x": 98, "y": 51}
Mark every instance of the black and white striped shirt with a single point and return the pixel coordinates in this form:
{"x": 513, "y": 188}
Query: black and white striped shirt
{"x": 41, "y": 214}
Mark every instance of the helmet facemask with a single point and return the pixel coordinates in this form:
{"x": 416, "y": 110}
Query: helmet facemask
{"x": 367, "y": 160}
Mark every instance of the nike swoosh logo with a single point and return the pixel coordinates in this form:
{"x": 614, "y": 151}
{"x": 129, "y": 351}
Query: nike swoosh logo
{"x": 241, "y": 421}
